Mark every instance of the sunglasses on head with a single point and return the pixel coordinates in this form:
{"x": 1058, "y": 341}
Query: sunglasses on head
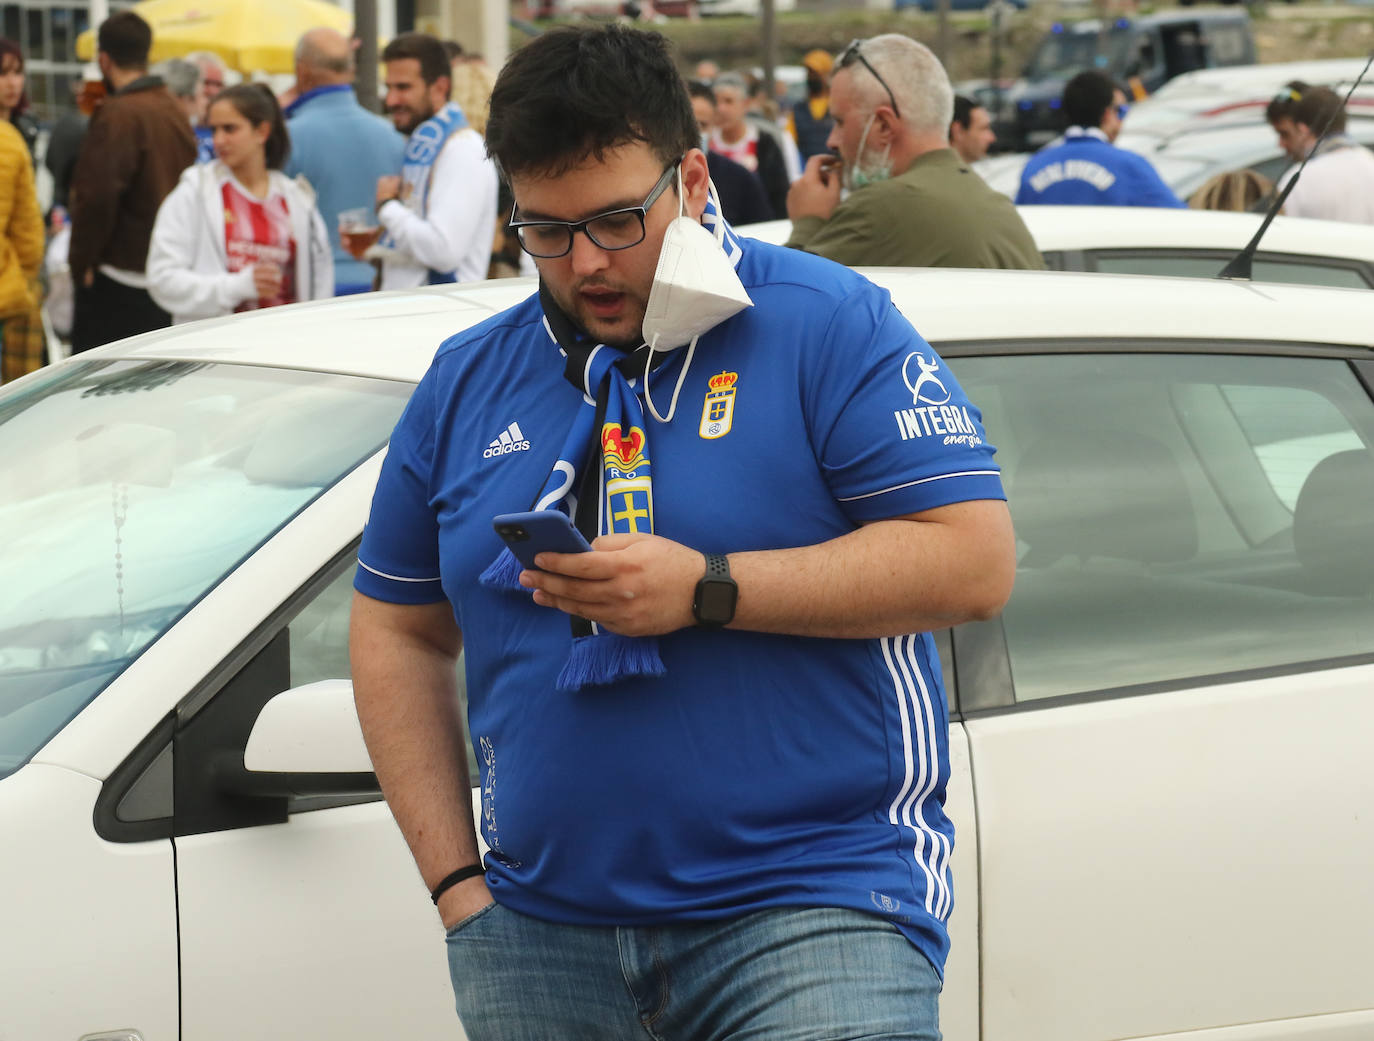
{"x": 852, "y": 54}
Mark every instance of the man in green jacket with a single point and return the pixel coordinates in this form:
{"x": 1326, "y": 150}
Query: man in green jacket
{"x": 912, "y": 201}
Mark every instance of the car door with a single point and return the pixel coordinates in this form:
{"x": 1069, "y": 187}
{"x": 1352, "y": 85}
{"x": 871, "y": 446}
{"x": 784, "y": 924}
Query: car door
{"x": 311, "y": 906}
{"x": 1168, "y": 728}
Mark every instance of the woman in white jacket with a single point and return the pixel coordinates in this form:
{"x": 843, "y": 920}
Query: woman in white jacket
{"x": 238, "y": 234}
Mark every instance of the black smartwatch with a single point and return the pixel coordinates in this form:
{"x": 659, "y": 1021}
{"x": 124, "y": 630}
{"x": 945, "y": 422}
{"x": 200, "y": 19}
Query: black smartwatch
{"x": 713, "y": 605}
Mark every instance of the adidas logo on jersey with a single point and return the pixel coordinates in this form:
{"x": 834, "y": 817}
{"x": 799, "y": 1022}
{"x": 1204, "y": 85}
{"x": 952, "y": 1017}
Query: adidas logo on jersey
{"x": 511, "y": 440}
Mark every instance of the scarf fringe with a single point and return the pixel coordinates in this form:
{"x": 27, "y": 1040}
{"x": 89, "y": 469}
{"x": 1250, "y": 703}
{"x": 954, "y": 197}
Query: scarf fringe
{"x": 608, "y": 657}
{"x": 503, "y": 572}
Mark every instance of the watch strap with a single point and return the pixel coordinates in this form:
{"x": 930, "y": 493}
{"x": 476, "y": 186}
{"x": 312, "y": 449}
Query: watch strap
{"x": 717, "y": 575}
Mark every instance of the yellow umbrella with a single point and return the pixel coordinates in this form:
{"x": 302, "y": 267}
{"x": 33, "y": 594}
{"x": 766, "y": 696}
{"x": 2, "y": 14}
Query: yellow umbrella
{"x": 250, "y": 35}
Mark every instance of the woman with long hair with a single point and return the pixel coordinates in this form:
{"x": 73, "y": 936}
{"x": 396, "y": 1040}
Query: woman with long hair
{"x": 14, "y": 98}
{"x": 238, "y": 234}
{"x": 21, "y": 230}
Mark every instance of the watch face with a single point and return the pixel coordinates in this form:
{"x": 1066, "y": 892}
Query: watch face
{"x": 716, "y": 601}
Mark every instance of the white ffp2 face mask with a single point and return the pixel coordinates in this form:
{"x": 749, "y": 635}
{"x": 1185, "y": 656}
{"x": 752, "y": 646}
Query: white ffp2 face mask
{"x": 695, "y": 286}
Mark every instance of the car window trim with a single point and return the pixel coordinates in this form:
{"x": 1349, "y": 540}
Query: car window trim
{"x": 1216, "y": 679}
{"x": 1362, "y": 268}
{"x": 1141, "y": 345}
{"x": 131, "y": 769}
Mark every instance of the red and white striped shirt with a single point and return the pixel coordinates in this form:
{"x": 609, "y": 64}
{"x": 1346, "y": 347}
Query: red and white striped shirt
{"x": 259, "y": 231}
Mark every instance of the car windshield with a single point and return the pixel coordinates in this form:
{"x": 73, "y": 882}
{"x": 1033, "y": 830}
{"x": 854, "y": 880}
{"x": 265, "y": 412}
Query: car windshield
{"x": 1063, "y": 54}
{"x": 128, "y": 490}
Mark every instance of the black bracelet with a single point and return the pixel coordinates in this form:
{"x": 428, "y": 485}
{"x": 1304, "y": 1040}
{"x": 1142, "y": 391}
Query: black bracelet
{"x": 449, "y": 881}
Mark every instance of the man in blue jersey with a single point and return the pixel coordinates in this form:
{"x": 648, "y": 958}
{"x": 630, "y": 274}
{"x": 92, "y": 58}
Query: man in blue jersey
{"x": 1088, "y": 169}
{"x": 713, "y": 748}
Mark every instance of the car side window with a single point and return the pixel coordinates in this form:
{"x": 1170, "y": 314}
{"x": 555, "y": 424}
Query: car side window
{"x": 1272, "y": 169}
{"x": 319, "y": 641}
{"x": 1177, "y": 264}
{"x": 1229, "y": 44}
{"x": 1180, "y": 516}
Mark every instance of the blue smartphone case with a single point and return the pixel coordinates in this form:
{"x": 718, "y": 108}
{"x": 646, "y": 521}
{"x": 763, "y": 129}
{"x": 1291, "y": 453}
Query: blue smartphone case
{"x": 539, "y": 531}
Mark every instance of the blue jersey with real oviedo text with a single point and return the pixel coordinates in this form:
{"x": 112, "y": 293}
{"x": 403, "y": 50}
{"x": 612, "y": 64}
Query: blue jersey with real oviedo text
{"x": 1087, "y": 170}
{"x": 761, "y": 771}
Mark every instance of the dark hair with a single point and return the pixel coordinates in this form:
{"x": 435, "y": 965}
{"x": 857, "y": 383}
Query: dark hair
{"x": 1312, "y": 106}
{"x": 574, "y": 93}
{"x": 8, "y": 48}
{"x": 425, "y": 49}
{"x": 701, "y": 89}
{"x": 453, "y": 49}
{"x": 257, "y": 104}
{"x": 126, "y": 39}
{"x": 963, "y": 109}
{"x": 1087, "y": 97}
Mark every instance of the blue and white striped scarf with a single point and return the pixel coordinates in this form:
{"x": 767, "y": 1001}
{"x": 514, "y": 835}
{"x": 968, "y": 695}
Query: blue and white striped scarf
{"x": 422, "y": 150}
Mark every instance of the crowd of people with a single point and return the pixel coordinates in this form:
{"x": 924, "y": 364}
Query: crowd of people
{"x": 177, "y": 195}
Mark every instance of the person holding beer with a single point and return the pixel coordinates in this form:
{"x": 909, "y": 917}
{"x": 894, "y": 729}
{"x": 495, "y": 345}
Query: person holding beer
{"x": 237, "y": 234}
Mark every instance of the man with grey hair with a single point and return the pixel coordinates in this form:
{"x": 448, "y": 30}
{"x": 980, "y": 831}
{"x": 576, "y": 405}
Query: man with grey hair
{"x": 340, "y": 147}
{"x": 183, "y": 83}
{"x": 912, "y": 201}
{"x": 212, "y": 80}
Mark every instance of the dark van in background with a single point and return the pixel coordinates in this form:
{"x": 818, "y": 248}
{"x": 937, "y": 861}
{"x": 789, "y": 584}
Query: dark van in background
{"x": 1141, "y": 53}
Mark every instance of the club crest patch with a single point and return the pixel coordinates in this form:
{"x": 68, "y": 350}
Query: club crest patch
{"x": 629, "y": 485}
{"x": 718, "y": 411}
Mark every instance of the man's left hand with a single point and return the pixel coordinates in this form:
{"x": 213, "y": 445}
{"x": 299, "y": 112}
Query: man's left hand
{"x": 635, "y": 585}
{"x": 388, "y": 188}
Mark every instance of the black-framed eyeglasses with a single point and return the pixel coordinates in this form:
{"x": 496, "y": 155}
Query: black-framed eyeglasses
{"x": 850, "y": 55}
{"x": 612, "y": 230}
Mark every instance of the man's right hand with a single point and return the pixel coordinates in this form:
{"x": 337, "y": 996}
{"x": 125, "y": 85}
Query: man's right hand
{"x": 267, "y": 280}
{"x": 464, "y": 900}
{"x": 816, "y": 192}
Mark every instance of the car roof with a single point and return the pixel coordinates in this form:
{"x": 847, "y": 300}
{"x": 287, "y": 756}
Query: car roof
{"x": 394, "y": 335}
{"x": 1261, "y": 78}
{"x": 1146, "y": 227}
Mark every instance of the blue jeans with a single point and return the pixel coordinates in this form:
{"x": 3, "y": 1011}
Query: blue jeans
{"x": 792, "y": 974}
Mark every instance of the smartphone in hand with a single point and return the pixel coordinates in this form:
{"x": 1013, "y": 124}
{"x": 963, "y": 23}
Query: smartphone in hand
{"x": 538, "y": 531}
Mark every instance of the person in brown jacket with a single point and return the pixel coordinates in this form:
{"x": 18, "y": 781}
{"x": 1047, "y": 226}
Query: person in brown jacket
{"x": 138, "y": 143}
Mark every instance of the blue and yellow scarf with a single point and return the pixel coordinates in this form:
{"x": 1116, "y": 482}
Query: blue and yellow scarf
{"x": 603, "y": 481}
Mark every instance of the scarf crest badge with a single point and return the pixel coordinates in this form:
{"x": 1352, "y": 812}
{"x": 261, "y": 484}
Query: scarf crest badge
{"x": 603, "y": 477}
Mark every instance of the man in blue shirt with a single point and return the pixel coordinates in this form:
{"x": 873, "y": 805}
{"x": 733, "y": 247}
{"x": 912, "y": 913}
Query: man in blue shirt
{"x": 1088, "y": 169}
{"x": 340, "y": 147}
{"x": 732, "y": 822}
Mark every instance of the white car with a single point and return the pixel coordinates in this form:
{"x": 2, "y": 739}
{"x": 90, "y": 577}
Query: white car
{"x": 1160, "y": 767}
{"x": 1234, "y": 92}
{"x": 1135, "y": 240}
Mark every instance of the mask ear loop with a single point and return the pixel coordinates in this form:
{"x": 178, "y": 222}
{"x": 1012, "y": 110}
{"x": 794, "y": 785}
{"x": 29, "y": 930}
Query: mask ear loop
{"x": 677, "y": 389}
